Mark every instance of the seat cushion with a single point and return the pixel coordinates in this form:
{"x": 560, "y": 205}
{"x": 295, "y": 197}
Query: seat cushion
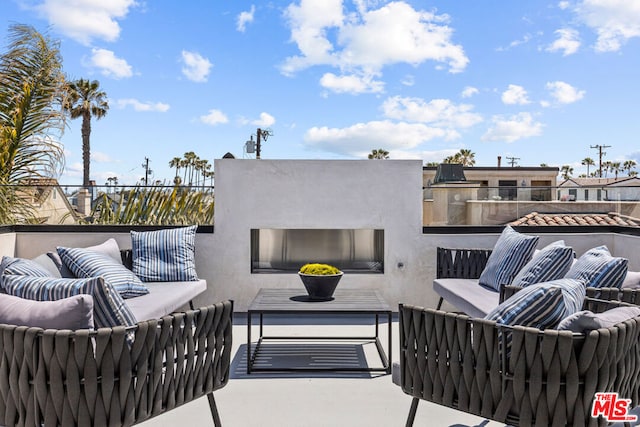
{"x": 164, "y": 255}
{"x": 598, "y": 269}
{"x": 164, "y": 298}
{"x": 510, "y": 253}
{"x": 467, "y": 295}
{"x": 550, "y": 263}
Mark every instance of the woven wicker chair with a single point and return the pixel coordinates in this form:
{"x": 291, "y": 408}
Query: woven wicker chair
{"x": 94, "y": 378}
{"x": 547, "y": 378}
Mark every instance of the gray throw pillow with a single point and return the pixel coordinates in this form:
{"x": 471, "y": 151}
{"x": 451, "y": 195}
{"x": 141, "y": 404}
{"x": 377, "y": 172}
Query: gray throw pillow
{"x": 631, "y": 280}
{"x": 584, "y": 321}
{"x": 73, "y": 313}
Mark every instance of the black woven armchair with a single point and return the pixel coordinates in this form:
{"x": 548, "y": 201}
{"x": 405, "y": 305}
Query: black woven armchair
{"x": 94, "y": 378}
{"x": 547, "y": 378}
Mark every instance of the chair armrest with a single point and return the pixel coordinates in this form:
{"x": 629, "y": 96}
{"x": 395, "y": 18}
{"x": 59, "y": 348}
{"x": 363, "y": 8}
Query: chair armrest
{"x": 461, "y": 263}
{"x": 628, "y": 295}
{"x": 506, "y": 291}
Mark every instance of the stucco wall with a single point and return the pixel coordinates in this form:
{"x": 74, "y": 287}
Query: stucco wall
{"x": 316, "y": 194}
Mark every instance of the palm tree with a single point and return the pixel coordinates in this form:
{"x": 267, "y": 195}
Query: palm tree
{"x": 566, "y": 171}
{"x": 628, "y": 165}
{"x": 31, "y": 120}
{"x": 588, "y": 161}
{"x": 616, "y": 168}
{"x": 86, "y": 100}
{"x": 466, "y": 157}
{"x": 176, "y": 163}
{"x": 606, "y": 166}
{"x": 378, "y": 154}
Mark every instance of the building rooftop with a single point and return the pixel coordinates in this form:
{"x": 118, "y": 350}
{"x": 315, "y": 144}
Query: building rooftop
{"x": 595, "y": 219}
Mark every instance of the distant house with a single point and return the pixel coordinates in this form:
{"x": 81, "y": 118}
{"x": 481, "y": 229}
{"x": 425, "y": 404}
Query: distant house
{"x": 503, "y": 183}
{"x": 50, "y": 204}
{"x": 597, "y": 189}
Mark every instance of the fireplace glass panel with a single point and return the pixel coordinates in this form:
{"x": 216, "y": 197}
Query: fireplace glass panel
{"x": 275, "y": 250}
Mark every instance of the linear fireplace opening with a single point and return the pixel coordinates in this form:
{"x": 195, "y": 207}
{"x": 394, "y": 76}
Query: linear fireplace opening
{"x": 277, "y": 250}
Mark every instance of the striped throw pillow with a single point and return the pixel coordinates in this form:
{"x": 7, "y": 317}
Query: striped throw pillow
{"x": 598, "y": 269}
{"x": 542, "y": 305}
{"x": 165, "y": 255}
{"x": 510, "y": 253}
{"x": 109, "y": 308}
{"x": 22, "y": 267}
{"x": 550, "y": 263}
{"x": 85, "y": 263}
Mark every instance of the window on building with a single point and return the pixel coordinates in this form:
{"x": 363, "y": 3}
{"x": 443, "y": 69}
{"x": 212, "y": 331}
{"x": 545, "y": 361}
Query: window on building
{"x": 541, "y": 191}
{"x": 508, "y": 189}
{"x": 573, "y": 194}
{"x": 586, "y": 194}
{"x": 599, "y": 195}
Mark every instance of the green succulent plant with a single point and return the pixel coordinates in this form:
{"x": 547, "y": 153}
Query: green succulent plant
{"x": 319, "y": 269}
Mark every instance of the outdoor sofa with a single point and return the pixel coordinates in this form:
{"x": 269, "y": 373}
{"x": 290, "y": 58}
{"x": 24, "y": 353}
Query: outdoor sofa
{"x": 532, "y": 344}
{"x": 98, "y": 358}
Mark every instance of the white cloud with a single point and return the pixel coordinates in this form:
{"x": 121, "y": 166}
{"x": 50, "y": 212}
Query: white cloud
{"x": 245, "y": 18}
{"x": 469, "y": 91}
{"x": 564, "y": 93}
{"x": 515, "y": 95}
{"x": 513, "y": 128}
{"x": 524, "y": 40}
{"x": 563, "y": 5}
{"x": 568, "y": 42}
{"x": 143, "y": 106}
{"x": 84, "y": 20}
{"x": 99, "y": 157}
{"x": 437, "y": 112}
{"x": 358, "y": 139}
{"x": 214, "y": 117}
{"x": 109, "y": 64}
{"x": 408, "y": 80}
{"x": 265, "y": 120}
{"x": 365, "y": 41}
{"x": 353, "y": 84}
{"x": 196, "y": 67}
{"x": 614, "y": 21}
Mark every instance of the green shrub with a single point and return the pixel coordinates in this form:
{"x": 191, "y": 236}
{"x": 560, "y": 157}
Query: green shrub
{"x": 319, "y": 269}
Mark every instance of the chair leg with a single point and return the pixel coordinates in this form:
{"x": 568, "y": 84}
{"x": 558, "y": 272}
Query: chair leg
{"x": 440, "y": 303}
{"x": 412, "y": 412}
{"x": 214, "y": 410}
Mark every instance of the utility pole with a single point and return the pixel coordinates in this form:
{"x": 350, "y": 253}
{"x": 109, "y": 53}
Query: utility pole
{"x": 147, "y": 171}
{"x": 513, "y": 160}
{"x": 261, "y": 134}
{"x": 600, "y": 154}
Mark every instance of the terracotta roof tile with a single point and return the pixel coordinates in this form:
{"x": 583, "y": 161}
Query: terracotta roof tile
{"x": 595, "y": 219}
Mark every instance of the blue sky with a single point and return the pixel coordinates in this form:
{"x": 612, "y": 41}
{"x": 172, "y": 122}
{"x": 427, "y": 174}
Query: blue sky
{"x": 539, "y": 80}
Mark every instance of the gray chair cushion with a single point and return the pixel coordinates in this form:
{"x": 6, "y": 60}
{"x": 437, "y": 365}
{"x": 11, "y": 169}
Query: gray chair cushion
{"x": 467, "y": 295}
{"x": 164, "y": 298}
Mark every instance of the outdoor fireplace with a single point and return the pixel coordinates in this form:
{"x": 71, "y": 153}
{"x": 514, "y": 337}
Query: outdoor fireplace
{"x": 275, "y": 250}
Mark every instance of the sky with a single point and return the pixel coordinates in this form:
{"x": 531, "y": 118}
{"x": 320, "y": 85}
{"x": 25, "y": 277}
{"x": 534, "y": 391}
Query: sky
{"x": 535, "y": 82}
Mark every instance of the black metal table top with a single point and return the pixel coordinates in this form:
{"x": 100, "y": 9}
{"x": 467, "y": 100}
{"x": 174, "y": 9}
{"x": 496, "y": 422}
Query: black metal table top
{"x": 297, "y": 301}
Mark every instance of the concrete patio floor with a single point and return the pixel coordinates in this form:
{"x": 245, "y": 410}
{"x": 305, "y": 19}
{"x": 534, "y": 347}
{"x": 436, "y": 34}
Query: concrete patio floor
{"x": 313, "y": 399}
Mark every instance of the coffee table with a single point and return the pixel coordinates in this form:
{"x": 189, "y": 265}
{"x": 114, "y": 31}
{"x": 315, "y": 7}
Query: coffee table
{"x": 294, "y": 304}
